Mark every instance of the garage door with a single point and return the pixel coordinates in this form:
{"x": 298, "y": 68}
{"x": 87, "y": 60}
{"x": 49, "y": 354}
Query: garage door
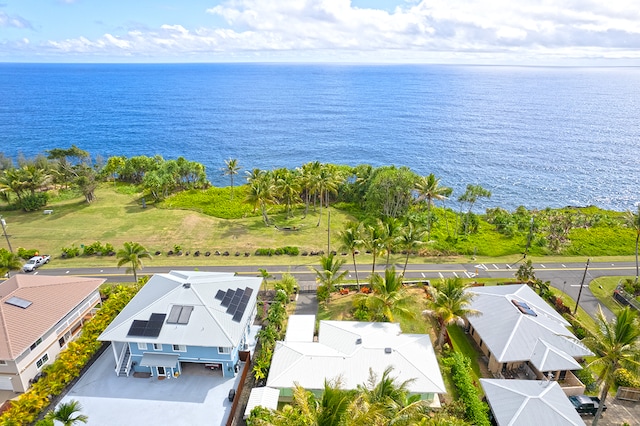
{"x": 5, "y": 383}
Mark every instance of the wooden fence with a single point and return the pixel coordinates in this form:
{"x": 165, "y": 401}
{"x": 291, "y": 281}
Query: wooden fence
{"x": 628, "y": 394}
{"x": 237, "y": 398}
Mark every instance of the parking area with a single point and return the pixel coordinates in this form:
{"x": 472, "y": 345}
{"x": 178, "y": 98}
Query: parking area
{"x": 198, "y": 396}
{"x": 618, "y": 413}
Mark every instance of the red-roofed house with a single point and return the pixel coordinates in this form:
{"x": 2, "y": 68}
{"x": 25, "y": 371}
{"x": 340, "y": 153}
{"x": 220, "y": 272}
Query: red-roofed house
{"x": 39, "y": 315}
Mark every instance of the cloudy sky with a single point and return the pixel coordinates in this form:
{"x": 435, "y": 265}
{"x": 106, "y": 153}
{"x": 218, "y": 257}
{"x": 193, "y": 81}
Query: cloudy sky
{"x": 563, "y": 32}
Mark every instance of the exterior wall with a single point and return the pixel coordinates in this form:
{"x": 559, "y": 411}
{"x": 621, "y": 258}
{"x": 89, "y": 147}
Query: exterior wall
{"x": 571, "y": 385}
{"x": 69, "y": 326}
{"x": 197, "y": 354}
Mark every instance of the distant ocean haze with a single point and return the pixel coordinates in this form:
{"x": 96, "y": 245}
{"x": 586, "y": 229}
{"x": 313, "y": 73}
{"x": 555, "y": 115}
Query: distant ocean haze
{"x": 538, "y": 137}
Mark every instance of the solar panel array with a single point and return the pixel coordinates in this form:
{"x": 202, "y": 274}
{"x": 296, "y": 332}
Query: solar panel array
{"x": 235, "y": 301}
{"x": 179, "y": 314}
{"x": 524, "y": 308}
{"x": 150, "y": 328}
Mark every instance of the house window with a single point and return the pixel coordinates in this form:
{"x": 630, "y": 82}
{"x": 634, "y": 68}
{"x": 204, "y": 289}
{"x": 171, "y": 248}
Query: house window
{"x": 222, "y": 350}
{"x": 3, "y": 362}
{"x": 179, "y": 348}
{"x": 61, "y": 341}
{"x": 42, "y": 361}
{"x": 36, "y": 344}
{"x": 157, "y": 346}
{"x": 64, "y": 339}
{"x": 142, "y": 346}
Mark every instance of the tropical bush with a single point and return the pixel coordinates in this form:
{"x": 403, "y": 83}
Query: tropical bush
{"x": 213, "y": 201}
{"x": 26, "y": 254}
{"x": 98, "y": 248}
{"x": 476, "y": 411}
{"x": 623, "y": 377}
{"x": 69, "y": 252}
{"x": 70, "y": 362}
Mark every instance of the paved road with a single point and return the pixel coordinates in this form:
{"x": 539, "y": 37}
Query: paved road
{"x": 563, "y": 276}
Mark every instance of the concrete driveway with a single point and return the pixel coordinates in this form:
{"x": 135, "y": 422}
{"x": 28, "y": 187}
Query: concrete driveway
{"x": 197, "y": 397}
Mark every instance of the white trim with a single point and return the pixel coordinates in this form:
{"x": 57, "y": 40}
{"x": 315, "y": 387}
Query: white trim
{"x": 224, "y": 350}
{"x": 181, "y": 348}
{"x": 142, "y": 346}
{"x": 42, "y": 360}
{"x": 157, "y": 346}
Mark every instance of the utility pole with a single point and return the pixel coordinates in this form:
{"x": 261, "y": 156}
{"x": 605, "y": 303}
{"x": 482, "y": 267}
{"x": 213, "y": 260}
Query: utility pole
{"x": 4, "y": 231}
{"x": 581, "y": 284}
{"x": 328, "y": 232}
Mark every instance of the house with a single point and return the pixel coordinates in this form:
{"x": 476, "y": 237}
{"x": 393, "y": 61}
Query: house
{"x": 350, "y": 351}
{"x": 529, "y": 403}
{"x": 184, "y": 317}
{"x": 521, "y": 335}
{"x": 39, "y": 315}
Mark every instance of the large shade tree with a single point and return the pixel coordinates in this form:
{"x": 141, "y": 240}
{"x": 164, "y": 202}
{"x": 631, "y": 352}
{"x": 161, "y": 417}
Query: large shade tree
{"x": 449, "y": 304}
{"x": 132, "y": 254}
{"x": 616, "y": 344}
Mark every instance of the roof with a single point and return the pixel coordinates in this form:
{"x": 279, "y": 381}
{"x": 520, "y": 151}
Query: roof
{"x": 207, "y": 324}
{"x": 513, "y": 335}
{"x": 262, "y": 397}
{"x": 350, "y": 351}
{"x": 529, "y": 403}
{"x": 156, "y": 359}
{"x": 300, "y": 328}
{"x": 52, "y": 298}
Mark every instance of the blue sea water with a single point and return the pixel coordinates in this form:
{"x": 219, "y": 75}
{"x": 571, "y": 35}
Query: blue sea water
{"x": 534, "y": 136}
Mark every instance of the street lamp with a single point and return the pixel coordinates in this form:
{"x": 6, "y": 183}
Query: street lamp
{"x": 4, "y": 231}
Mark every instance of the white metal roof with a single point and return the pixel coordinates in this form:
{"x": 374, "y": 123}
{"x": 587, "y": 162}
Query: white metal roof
{"x": 529, "y": 403}
{"x": 209, "y": 323}
{"x": 151, "y": 359}
{"x": 300, "y": 328}
{"x": 262, "y": 397}
{"x": 350, "y": 350}
{"x": 512, "y": 335}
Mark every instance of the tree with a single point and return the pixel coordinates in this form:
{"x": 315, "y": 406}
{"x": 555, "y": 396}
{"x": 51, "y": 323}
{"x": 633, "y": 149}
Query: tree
{"x": 525, "y": 273}
{"x": 389, "y": 298}
{"x": 9, "y": 262}
{"x": 350, "y": 240}
{"x": 389, "y": 192}
{"x": 265, "y": 276}
{"x": 327, "y": 183}
{"x": 411, "y": 239}
{"x": 231, "y": 169}
{"x": 373, "y": 242}
{"x": 329, "y": 275}
{"x": 262, "y": 192}
{"x": 391, "y": 235}
{"x": 470, "y": 197}
{"x": 616, "y": 344}
{"x": 449, "y": 304}
{"x": 429, "y": 189}
{"x": 67, "y": 413}
{"x": 132, "y": 254}
{"x": 287, "y": 185}
{"x": 633, "y": 222}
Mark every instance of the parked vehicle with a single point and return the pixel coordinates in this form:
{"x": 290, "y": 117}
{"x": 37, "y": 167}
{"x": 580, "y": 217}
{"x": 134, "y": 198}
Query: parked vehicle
{"x": 36, "y": 262}
{"x": 585, "y": 404}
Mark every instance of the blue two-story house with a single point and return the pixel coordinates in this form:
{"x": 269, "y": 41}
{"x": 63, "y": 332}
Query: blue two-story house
{"x": 184, "y": 317}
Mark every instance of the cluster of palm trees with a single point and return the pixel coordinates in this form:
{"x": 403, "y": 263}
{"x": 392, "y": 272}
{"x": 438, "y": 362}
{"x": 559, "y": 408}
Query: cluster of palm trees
{"x": 377, "y": 402}
{"x": 314, "y": 181}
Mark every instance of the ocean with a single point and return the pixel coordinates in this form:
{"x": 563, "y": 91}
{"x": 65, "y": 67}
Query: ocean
{"x": 535, "y": 136}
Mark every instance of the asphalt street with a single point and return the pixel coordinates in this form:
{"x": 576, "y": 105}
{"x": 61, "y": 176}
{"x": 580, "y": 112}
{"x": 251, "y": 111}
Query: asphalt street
{"x": 563, "y": 276}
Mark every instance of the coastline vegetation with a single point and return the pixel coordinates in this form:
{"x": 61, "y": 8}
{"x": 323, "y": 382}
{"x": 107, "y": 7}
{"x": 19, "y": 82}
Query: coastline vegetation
{"x": 167, "y": 203}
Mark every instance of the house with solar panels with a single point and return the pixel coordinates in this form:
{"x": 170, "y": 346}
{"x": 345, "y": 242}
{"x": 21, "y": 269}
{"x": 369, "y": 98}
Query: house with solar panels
{"x": 39, "y": 316}
{"x": 523, "y": 337}
{"x": 201, "y": 318}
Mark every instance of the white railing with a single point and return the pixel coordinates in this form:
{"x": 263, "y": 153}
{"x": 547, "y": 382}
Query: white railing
{"x": 123, "y": 353}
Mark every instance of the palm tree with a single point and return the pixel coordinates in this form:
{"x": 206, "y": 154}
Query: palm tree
{"x": 329, "y": 275}
{"x": 350, "y": 240}
{"x": 411, "y": 239}
{"x": 389, "y": 297}
{"x": 231, "y": 169}
{"x": 327, "y": 183}
{"x": 67, "y": 413}
{"x": 132, "y": 254}
{"x": 391, "y": 235}
{"x": 633, "y": 222}
{"x": 287, "y": 185}
{"x": 265, "y": 276}
{"x": 449, "y": 304}
{"x": 616, "y": 344}
{"x": 9, "y": 262}
{"x": 525, "y": 272}
{"x": 373, "y": 242}
{"x": 262, "y": 191}
{"x": 429, "y": 189}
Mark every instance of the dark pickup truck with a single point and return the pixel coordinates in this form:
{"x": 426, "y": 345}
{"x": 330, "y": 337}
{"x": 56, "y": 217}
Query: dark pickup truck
{"x": 586, "y": 404}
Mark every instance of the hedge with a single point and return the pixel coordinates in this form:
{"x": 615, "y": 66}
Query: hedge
{"x": 476, "y": 411}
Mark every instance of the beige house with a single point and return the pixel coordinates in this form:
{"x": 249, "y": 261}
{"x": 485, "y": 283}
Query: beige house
{"x": 39, "y": 315}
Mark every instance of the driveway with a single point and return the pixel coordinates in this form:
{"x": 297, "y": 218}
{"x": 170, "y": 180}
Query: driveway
{"x": 197, "y": 397}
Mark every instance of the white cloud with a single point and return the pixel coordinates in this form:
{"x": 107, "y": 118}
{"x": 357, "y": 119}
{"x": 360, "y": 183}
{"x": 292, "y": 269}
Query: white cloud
{"x": 14, "y": 21}
{"x": 511, "y": 30}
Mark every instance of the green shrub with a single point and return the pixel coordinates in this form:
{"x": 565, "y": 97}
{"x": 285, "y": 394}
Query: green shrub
{"x": 586, "y": 377}
{"x": 33, "y": 202}
{"x": 26, "y": 254}
{"x": 625, "y": 378}
{"x": 213, "y": 201}
{"x": 97, "y": 248}
{"x": 69, "y": 252}
{"x": 476, "y": 411}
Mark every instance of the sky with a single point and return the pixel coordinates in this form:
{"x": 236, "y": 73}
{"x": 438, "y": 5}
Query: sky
{"x": 524, "y": 32}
